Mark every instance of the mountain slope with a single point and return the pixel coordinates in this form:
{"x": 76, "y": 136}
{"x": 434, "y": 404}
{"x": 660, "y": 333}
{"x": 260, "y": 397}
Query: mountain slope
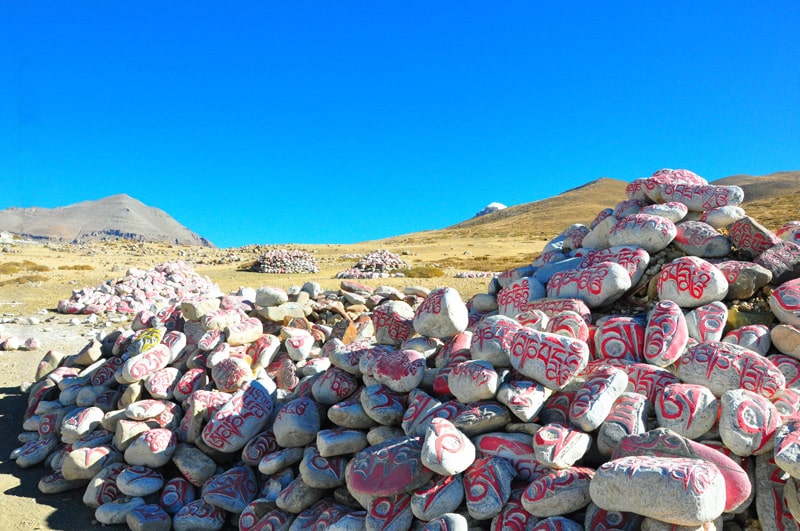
{"x": 115, "y": 217}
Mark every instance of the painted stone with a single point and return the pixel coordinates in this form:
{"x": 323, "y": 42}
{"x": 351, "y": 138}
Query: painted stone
{"x": 690, "y": 282}
{"x": 672, "y": 210}
{"x": 628, "y": 416}
{"x": 103, "y": 486}
{"x": 139, "y": 481}
{"x": 550, "y": 359}
{"x": 401, "y": 371}
{"x": 442, "y": 495}
{"x": 445, "y": 449}
{"x": 513, "y": 515}
{"x": 441, "y": 314}
{"x": 771, "y": 507}
{"x": 620, "y": 338}
{"x": 104, "y": 375}
{"x": 789, "y": 367}
{"x": 153, "y": 448}
{"x": 644, "y": 378}
{"x": 419, "y": 412}
{"x": 558, "y": 492}
{"x": 244, "y": 332}
{"x": 240, "y": 418}
{"x": 383, "y": 405}
{"x": 393, "y": 321}
{"x": 56, "y": 483}
{"x": 722, "y": 216}
{"x": 603, "y": 520}
{"x": 140, "y": 366}
{"x": 514, "y": 299}
{"x": 597, "y": 285}
{"x": 566, "y": 323}
{"x": 516, "y": 448}
{"x": 145, "y": 409}
{"x": 634, "y": 259}
{"x": 681, "y": 491}
{"x": 80, "y": 422}
{"x": 750, "y": 237}
{"x": 176, "y": 493}
{"x": 666, "y": 334}
{"x": 256, "y": 448}
{"x": 753, "y": 337}
{"x": 723, "y": 367}
{"x": 162, "y": 383}
{"x": 321, "y": 472}
{"x": 487, "y": 486}
{"x": 784, "y": 301}
{"x": 191, "y": 381}
{"x": 544, "y": 273}
{"x": 278, "y": 460}
{"x": 390, "y": 513}
{"x": 558, "y": 446}
{"x": 298, "y": 496}
{"x": 230, "y": 374}
{"x": 85, "y": 463}
{"x": 787, "y": 402}
{"x": 263, "y": 349}
{"x": 697, "y": 238}
{"x": 232, "y": 490}
{"x": 473, "y": 380}
{"x": 593, "y": 401}
{"x": 747, "y": 422}
{"x": 296, "y": 423}
{"x": 350, "y": 413}
{"x": 262, "y": 514}
{"x": 148, "y": 518}
{"x": 651, "y": 233}
{"x": 34, "y": 452}
{"x": 479, "y": 417}
{"x": 554, "y": 306}
{"x": 557, "y": 523}
{"x": 447, "y": 522}
{"x": 491, "y": 339}
{"x": 787, "y": 447}
{"x": 392, "y": 467}
{"x": 198, "y": 516}
{"x": 524, "y": 398}
{"x": 744, "y": 278}
{"x": 334, "y": 386}
{"x": 689, "y": 410}
{"x": 193, "y": 464}
{"x": 116, "y": 512}
{"x": 706, "y": 323}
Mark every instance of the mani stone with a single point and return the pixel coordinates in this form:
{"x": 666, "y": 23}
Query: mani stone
{"x": 473, "y": 380}
{"x": 666, "y": 334}
{"x": 278, "y": 460}
{"x": 558, "y": 492}
{"x": 691, "y": 281}
{"x": 628, "y": 416}
{"x": 442, "y": 495}
{"x": 340, "y": 441}
{"x": 487, "y": 486}
{"x": 243, "y": 416}
{"x": 148, "y": 518}
{"x": 116, "y": 512}
{"x": 322, "y": 472}
{"x": 389, "y": 513}
{"x": 391, "y": 467}
{"x": 232, "y": 490}
{"x": 681, "y": 491}
{"x": 784, "y": 301}
{"x": 550, "y": 359}
{"x": 744, "y": 278}
{"x": 441, "y": 314}
{"x": 447, "y": 522}
{"x": 400, "y": 371}
{"x": 514, "y": 447}
{"x": 787, "y": 447}
{"x": 514, "y": 298}
{"x": 596, "y": 285}
{"x": 689, "y": 410}
{"x": 198, "y": 516}
{"x": 633, "y": 258}
{"x": 334, "y": 386}
{"x": 445, "y": 449}
{"x": 696, "y": 238}
{"x": 297, "y": 496}
{"x": 750, "y": 237}
{"x": 193, "y": 464}
{"x": 567, "y": 323}
{"x": 79, "y": 422}
{"x": 153, "y": 448}
{"x": 85, "y": 463}
{"x": 558, "y": 446}
{"x": 383, "y": 405}
{"x": 34, "y": 452}
{"x": 747, "y": 422}
{"x": 139, "y": 481}
{"x": 524, "y": 398}
{"x": 782, "y": 260}
{"x": 393, "y": 321}
{"x": 491, "y": 339}
{"x": 651, "y": 233}
{"x": 771, "y": 504}
{"x": 593, "y": 401}
{"x": 177, "y": 492}
{"x": 297, "y": 423}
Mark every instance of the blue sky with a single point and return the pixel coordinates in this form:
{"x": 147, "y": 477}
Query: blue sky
{"x": 339, "y": 122}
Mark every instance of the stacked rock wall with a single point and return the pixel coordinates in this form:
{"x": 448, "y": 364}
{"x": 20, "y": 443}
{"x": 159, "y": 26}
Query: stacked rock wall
{"x": 642, "y": 373}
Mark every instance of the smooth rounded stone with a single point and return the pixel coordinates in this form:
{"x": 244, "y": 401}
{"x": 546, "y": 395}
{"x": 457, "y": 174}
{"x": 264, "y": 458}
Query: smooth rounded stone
{"x": 318, "y": 516}
{"x": 681, "y": 491}
{"x": 514, "y": 447}
{"x": 193, "y": 464}
{"x": 299, "y": 344}
{"x": 752, "y": 337}
{"x": 49, "y": 362}
{"x": 567, "y": 323}
{"x": 481, "y": 417}
{"x": 513, "y": 299}
{"x": 297, "y": 422}
{"x": 666, "y": 334}
{"x": 784, "y": 301}
{"x": 230, "y": 374}
{"x": 697, "y": 238}
{"x": 340, "y": 441}
{"x": 747, "y": 422}
{"x": 244, "y": 332}
{"x": 483, "y": 303}
{"x": 707, "y": 323}
{"x": 148, "y": 518}
{"x": 270, "y": 296}
{"x": 473, "y": 380}
{"x": 116, "y": 512}
{"x": 552, "y": 307}
{"x": 177, "y": 493}
{"x": 441, "y": 314}
{"x": 56, "y": 483}
{"x": 491, "y": 339}
{"x": 689, "y": 410}
{"x": 744, "y": 278}
{"x": 191, "y": 381}
{"x": 232, "y": 490}
{"x": 487, "y": 486}
{"x": 126, "y": 432}
{"x": 139, "y": 481}
{"x": 558, "y": 446}
{"x": 789, "y": 367}
{"x": 278, "y": 460}
{"x": 393, "y": 321}
{"x": 34, "y": 452}
{"x": 691, "y": 281}
{"x": 262, "y": 514}
{"x": 85, "y": 463}
{"x": 322, "y": 472}
{"x": 536, "y": 319}
{"x": 634, "y": 259}
{"x": 102, "y": 488}
{"x": 447, "y": 522}
{"x": 446, "y": 450}
{"x": 210, "y": 340}
{"x": 195, "y": 309}
{"x": 243, "y": 416}
{"x": 198, "y": 516}
{"x": 782, "y": 260}
{"x": 104, "y": 375}
{"x": 262, "y": 444}
{"x": 722, "y": 216}
{"x": 662, "y": 442}
{"x": 79, "y": 422}
{"x": 558, "y": 492}
{"x": 546, "y": 271}
{"x": 750, "y": 237}
{"x": 524, "y": 398}
{"x": 298, "y": 496}
{"x": 391, "y": 467}
{"x": 141, "y": 366}
{"x": 161, "y": 384}
{"x": 145, "y": 409}
{"x": 771, "y": 506}
{"x": 598, "y": 236}
{"x": 389, "y": 513}
{"x": 791, "y": 497}
{"x": 401, "y": 371}
{"x": 594, "y": 399}
{"x": 723, "y": 367}
{"x": 443, "y": 495}
{"x": 513, "y": 515}
{"x": 597, "y": 518}
{"x": 418, "y": 414}
{"x": 786, "y": 338}
{"x": 153, "y": 448}
{"x": 787, "y": 401}
{"x": 49, "y": 424}
{"x": 672, "y": 210}
{"x": 550, "y": 359}
{"x": 597, "y": 285}
{"x": 334, "y": 386}
{"x": 557, "y": 523}
{"x": 383, "y": 405}
{"x": 651, "y": 233}
{"x": 787, "y": 447}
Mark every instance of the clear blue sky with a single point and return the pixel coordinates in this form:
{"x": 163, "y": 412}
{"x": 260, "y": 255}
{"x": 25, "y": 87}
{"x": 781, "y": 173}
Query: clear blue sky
{"x": 338, "y": 122}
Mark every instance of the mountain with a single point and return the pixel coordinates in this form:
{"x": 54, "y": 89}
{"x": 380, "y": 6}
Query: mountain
{"x": 115, "y": 217}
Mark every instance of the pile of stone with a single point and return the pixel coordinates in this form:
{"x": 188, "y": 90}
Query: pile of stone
{"x": 12, "y": 342}
{"x": 283, "y": 262}
{"x": 596, "y": 388}
{"x": 476, "y": 274}
{"x": 380, "y": 263}
{"x": 139, "y": 290}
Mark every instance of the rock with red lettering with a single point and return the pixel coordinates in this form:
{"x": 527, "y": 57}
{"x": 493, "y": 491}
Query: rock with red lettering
{"x": 443, "y": 495}
{"x": 153, "y": 448}
{"x": 789, "y": 367}
{"x": 116, "y": 512}
{"x": 786, "y": 338}
{"x": 296, "y": 422}
{"x": 689, "y": 410}
{"x": 680, "y": 491}
{"x": 601, "y": 228}
{"x": 620, "y": 338}
{"x": 750, "y": 237}
{"x": 646, "y": 379}
{"x": 516, "y": 448}
{"x": 162, "y": 383}
{"x": 696, "y": 238}
{"x": 383, "y": 405}
{"x": 79, "y": 422}
{"x": 229, "y": 374}
{"x": 141, "y": 366}
{"x": 148, "y": 518}
{"x": 393, "y": 321}
{"x": 322, "y": 472}
{"x": 473, "y": 380}
{"x": 651, "y": 233}
{"x": 274, "y": 462}
{"x": 722, "y": 216}
{"x": 441, "y": 314}
{"x": 198, "y": 516}
{"x": 244, "y": 332}
{"x": 744, "y": 278}
{"x": 634, "y": 259}
{"x": 85, "y": 463}
{"x": 701, "y": 197}
{"x": 334, "y": 386}
{"x": 390, "y": 513}
{"x": 514, "y": 299}
{"x": 513, "y": 515}
{"x": 597, "y": 518}
{"x": 524, "y": 398}
{"x": 244, "y": 415}
{"x": 597, "y": 285}
{"x": 784, "y": 301}
{"x": 103, "y": 486}
{"x": 593, "y": 401}
{"x": 491, "y": 339}
{"x": 754, "y": 337}
{"x": 400, "y": 371}
{"x": 672, "y": 210}
{"x": 487, "y": 486}
{"x": 787, "y": 447}
{"x": 139, "y": 481}
{"x": 747, "y": 422}
{"x": 392, "y": 467}
{"x": 559, "y": 446}
{"x": 558, "y": 492}
{"x": 34, "y": 452}
{"x": 723, "y": 367}
{"x": 299, "y": 343}
{"x": 177, "y": 492}
{"x": 666, "y": 334}
{"x": 691, "y": 281}
{"x": 232, "y": 490}
{"x": 191, "y": 381}
{"x": 628, "y": 416}
{"x": 706, "y": 323}
{"x": 771, "y": 505}
{"x": 446, "y": 450}
{"x": 782, "y": 260}
{"x": 145, "y": 409}
{"x": 789, "y": 232}
{"x": 661, "y": 442}
{"x": 550, "y": 359}
{"x": 566, "y": 323}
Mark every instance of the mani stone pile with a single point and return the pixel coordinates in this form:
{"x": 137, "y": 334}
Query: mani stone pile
{"x": 284, "y": 262}
{"x": 380, "y": 263}
{"x": 642, "y": 373}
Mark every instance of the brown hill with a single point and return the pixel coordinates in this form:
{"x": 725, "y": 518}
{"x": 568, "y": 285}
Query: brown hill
{"x": 115, "y": 217}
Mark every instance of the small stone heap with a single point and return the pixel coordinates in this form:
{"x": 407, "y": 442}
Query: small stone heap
{"x": 283, "y": 262}
{"x": 139, "y": 290}
{"x": 380, "y": 263}
{"x": 596, "y": 388}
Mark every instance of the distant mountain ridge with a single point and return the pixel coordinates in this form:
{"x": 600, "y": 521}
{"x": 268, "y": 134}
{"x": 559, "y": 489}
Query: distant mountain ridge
{"x": 111, "y": 218}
